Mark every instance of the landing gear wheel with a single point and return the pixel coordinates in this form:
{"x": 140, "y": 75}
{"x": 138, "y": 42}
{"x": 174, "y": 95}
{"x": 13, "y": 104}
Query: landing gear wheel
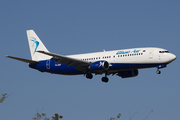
{"x": 105, "y": 79}
{"x": 89, "y": 76}
{"x": 158, "y": 72}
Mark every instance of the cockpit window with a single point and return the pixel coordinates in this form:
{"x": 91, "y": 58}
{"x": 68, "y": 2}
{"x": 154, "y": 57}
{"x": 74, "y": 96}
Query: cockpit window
{"x": 163, "y": 51}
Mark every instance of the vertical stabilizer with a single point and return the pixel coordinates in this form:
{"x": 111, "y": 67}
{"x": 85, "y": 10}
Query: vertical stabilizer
{"x": 35, "y": 44}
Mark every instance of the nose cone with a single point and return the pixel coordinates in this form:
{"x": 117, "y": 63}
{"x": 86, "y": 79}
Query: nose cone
{"x": 172, "y": 57}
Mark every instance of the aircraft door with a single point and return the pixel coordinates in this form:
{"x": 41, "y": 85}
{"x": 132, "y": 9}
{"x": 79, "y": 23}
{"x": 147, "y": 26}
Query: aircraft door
{"x": 160, "y": 56}
{"x": 151, "y": 53}
{"x": 48, "y": 64}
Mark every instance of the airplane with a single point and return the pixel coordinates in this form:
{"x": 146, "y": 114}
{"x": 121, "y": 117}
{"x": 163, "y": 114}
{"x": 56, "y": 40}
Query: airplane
{"x": 123, "y": 63}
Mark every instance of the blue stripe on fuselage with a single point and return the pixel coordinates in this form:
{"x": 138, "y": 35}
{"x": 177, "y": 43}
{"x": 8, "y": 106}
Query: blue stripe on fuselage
{"x": 60, "y": 68}
{"x": 56, "y": 68}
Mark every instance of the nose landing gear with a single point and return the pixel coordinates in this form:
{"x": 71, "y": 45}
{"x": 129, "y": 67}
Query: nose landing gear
{"x": 158, "y": 71}
{"x": 159, "y": 67}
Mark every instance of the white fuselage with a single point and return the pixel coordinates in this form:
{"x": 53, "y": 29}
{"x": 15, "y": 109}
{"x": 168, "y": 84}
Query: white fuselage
{"x": 124, "y": 63}
{"x": 147, "y": 55}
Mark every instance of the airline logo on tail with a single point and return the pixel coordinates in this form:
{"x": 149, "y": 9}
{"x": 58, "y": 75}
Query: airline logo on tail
{"x": 35, "y": 42}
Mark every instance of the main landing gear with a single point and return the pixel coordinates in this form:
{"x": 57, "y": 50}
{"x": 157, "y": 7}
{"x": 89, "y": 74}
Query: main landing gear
{"x": 89, "y": 76}
{"x": 104, "y": 79}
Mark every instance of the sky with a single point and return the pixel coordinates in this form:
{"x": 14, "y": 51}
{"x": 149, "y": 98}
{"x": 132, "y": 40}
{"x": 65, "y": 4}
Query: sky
{"x": 76, "y": 26}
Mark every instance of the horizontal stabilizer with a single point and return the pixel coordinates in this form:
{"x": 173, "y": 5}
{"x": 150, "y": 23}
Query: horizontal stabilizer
{"x": 23, "y": 60}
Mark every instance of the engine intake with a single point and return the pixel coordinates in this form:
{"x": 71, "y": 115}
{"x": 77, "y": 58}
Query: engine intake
{"x": 128, "y": 73}
{"x": 99, "y": 65}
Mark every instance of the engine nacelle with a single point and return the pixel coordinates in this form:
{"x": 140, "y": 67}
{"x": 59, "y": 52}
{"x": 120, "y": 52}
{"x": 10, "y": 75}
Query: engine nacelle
{"x": 128, "y": 73}
{"x": 99, "y": 65}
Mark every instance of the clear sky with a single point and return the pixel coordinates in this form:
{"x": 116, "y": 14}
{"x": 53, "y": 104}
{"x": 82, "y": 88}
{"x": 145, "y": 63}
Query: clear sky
{"x": 78, "y": 26}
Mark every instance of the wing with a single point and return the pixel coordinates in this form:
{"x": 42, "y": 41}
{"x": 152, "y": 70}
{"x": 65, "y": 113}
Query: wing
{"x": 79, "y": 64}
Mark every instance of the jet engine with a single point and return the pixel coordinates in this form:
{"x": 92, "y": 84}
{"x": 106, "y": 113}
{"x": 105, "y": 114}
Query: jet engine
{"x": 99, "y": 66}
{"x": 128, "y": 73}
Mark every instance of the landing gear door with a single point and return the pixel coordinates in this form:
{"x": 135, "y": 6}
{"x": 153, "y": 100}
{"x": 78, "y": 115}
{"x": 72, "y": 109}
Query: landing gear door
{"x": 151, "y": 51}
